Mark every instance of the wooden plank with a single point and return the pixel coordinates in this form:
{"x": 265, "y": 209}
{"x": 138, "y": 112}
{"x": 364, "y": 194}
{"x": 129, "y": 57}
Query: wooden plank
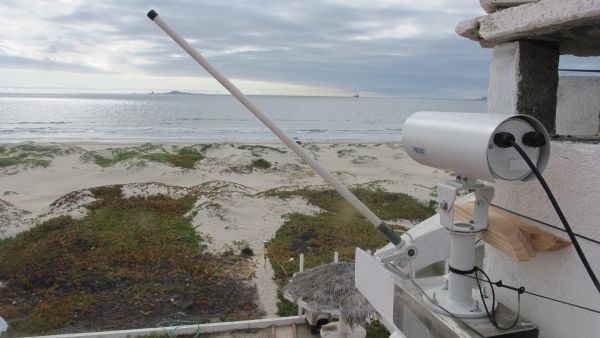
{"x": 273, "y": 332}
{"x": 294, "y": 334}
{"x": 501, "y": 233}
{"x": 511, "y": 234}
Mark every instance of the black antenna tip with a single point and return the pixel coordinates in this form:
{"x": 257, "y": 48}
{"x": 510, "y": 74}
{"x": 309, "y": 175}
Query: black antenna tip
{"x": 152, "y": 14}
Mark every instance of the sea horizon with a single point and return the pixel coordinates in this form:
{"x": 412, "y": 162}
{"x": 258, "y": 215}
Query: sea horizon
{"x": 207, "y": 118}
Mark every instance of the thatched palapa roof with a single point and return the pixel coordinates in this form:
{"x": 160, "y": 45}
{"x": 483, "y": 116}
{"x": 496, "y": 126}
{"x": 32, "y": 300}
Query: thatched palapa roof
{"x": 331, "y": 286}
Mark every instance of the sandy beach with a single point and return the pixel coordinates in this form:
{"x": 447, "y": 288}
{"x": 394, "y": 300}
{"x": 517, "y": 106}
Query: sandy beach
{"x": 229, "y": 181}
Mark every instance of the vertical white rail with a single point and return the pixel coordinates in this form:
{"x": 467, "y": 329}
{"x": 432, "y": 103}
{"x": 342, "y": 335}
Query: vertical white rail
{"x": 301, "y": 269}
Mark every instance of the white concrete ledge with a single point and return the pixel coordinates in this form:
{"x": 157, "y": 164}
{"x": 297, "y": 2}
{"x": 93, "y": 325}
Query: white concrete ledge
{"x": 188, "y": 329}
{"x": 491, "y": 6}
{"x": 577, "y": 22}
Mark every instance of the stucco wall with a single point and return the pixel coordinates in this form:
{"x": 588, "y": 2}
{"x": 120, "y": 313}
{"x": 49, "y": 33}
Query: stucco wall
{"x": 523, "y": 80}
{"x": 578, "y": 107}
{"x": 574, "y": 176}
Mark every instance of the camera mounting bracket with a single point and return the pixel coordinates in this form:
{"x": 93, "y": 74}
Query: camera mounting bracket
{"x": 457, "y": 295}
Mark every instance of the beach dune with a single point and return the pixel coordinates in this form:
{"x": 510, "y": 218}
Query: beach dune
{"x": 229, "y": 180}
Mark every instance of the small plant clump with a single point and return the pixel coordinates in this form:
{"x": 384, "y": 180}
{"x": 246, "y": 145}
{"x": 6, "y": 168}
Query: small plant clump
{"x": 376, "y": 330}
{"x": 241, "y": 248}
{"x": 259, "y": 164}
{"x": 131, "y": 262}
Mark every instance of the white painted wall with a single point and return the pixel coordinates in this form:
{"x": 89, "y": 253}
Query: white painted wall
{"x": 574, "y": 176}
{"x": 578, "y": 106}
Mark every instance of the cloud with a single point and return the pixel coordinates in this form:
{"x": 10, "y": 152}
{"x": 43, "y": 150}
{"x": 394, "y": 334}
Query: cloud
{"x": 390, "y": 47}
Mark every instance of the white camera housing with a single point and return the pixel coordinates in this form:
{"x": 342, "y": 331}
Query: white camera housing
{"x": 464, "y": 143}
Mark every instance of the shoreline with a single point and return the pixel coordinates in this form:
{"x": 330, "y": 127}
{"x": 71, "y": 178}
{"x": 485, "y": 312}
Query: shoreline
{"x": 192, "y": 142}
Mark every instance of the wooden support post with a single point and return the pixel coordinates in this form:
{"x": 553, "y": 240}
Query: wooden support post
{"x": 273, "y": 332}
{"x": 294, "y": 334}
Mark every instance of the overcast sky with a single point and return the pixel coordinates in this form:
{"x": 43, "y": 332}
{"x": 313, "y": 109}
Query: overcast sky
{"x": 309, "y": 47}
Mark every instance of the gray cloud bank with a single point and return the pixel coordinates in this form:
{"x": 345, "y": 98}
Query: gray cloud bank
{"x": 380, "y": 46}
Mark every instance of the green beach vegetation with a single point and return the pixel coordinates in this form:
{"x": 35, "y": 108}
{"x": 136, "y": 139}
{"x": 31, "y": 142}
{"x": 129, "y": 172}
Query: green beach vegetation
{"x": 185, "y": 157}
{"x": 255, "y": 164}
{"x": 29, "y": 155}
{"x": 338, "y": 227}
{"x": 127, "y": 263}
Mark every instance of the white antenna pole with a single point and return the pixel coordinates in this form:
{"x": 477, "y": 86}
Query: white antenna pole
{"x": 243, "y": 99}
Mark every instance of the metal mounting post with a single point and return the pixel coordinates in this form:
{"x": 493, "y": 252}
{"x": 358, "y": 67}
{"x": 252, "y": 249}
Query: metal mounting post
{"x": 458, "y": 296}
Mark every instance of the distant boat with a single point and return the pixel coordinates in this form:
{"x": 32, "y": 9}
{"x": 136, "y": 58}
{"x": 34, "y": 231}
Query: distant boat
{"x": 356, "y": 95}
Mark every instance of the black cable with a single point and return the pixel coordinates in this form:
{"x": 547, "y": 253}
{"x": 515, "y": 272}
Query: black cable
{"x": 559, "y": 212}
{"x": 580, "y": 70}
{"x": 546, "y": 224}
{"x": 562, "y": 302}
{"x": 492, "y": 316}
{"x": 523, "y": 290}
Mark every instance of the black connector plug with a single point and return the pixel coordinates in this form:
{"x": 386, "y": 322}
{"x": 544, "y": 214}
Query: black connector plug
{"x": 534, "y": 139}
{"x": 504, "y": 139}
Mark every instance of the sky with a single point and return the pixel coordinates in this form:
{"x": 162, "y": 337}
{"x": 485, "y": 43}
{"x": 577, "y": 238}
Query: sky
{"x": 310, "y": 47}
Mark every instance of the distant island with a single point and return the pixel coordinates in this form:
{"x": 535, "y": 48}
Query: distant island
{"x": 173, "y": 92}
{"x": 177, "y": 92}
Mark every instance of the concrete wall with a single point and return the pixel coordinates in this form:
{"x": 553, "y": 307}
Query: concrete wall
{"x": 574, "y": 177}
{"x": 578, "y": 107}
{"x": 523, "y": 80}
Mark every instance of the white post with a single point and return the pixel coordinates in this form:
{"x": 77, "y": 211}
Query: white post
{"x": 301, "y": 269}
{"x": 462, "y": 257}
{"x": 336, "y": 257}
{"x": 343, "y": 328}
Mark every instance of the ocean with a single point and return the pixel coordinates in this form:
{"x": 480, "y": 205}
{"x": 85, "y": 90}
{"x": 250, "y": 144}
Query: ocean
{"x": 133, "y": 118}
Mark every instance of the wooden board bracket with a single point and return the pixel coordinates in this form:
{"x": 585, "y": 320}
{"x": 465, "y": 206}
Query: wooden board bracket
{"x": 516, "y": 236}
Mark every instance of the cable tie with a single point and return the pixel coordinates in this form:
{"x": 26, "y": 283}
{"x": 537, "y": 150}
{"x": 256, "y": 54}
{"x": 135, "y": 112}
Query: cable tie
{"x": 461, "y": 272}
{"x": 521, "y": 290}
